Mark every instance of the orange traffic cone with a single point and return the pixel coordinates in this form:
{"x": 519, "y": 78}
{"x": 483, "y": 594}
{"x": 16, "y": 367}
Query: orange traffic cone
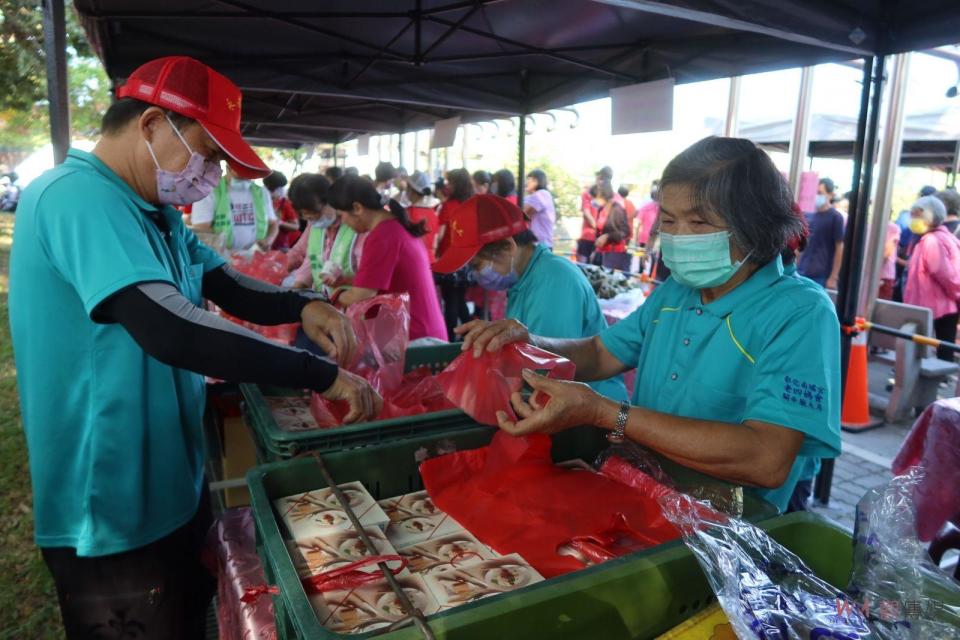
{"x": 856, "y": 403}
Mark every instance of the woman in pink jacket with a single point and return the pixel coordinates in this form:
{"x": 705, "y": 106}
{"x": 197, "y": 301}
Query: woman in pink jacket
{"x": 933, "y": 276}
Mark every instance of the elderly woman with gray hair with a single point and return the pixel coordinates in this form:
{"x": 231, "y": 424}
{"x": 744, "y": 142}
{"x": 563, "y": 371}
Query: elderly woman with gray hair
{"x": 738, "y": 365}
{"x": 933, "y": 275}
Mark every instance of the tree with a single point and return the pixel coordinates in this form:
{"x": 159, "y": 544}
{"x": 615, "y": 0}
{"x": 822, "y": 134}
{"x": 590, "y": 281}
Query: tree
{"x": 24, "y": 119}
{"x": 22, "y": 59}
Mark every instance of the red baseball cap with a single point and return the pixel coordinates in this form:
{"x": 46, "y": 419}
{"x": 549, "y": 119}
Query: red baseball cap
{"x": 478, "y": 221}
{"x": 192, "y": 89}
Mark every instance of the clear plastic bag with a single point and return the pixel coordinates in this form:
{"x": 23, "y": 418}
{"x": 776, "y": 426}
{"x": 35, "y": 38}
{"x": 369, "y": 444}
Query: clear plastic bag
{"x": 382, "y": 326}
{"x": 895, "y": 592}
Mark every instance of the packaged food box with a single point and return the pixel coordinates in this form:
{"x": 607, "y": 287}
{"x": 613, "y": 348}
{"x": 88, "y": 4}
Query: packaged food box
{"x": 414, "y": 518}
{"x": 451, "y": 551}
{"x": 291, "y": 414}
{"x": 320, "y": 554}
{"x": 454, "y": 587}
{"x": 372, "y": 606}
{"x": 319, "y": 512}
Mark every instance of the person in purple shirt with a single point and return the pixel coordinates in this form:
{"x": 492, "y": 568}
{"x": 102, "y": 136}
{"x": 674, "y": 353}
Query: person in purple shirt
{"x": 539, "y": 208}
{"x": 821, "y": 260}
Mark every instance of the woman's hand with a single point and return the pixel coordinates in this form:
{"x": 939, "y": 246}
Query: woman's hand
{"x": 602, "y": 241}
{"x": 365, "y": 403}
{"x": 491, "y": 336}
{"x": 555, "y": 405}
{"x": 331, "y": 330}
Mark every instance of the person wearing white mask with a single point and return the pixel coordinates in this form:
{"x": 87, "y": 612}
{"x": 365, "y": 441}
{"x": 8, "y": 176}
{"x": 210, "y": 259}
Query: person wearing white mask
{"x": 821, "y": 259}
{"x": 112, "y": 345}
{"x": 327, "y": 254}
{"x": 738, "y": 365}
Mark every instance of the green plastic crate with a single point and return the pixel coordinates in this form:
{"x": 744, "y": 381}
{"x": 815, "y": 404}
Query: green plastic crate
{"x": 636, "y": 596}
{"x": 273, "y": 443}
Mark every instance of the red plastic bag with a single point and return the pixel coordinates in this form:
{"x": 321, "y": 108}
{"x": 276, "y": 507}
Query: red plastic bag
{"x": 482, "y": 386}
{"x": 269, "y": 266}
{"x": 513, "y": 498}
{"x": 934, "y": 445}
{"x": 382, "y": 325}
{"x": 418, "y": 393}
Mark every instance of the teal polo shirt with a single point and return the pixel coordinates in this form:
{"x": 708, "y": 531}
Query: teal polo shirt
{"x": 768, "y": 351}
{"x": 114, "y": 436}
{"x": 555, "y": 300}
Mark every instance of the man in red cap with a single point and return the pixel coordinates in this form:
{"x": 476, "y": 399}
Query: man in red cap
{"x": 546, "y": 294}
{"x": 111, "y": 345}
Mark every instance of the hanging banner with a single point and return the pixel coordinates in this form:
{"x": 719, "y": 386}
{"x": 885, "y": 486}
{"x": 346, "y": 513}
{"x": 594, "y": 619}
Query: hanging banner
{"x": 363, "y": 145}
{"x": 641, "y": 108}
{"x": 444, "y": 133}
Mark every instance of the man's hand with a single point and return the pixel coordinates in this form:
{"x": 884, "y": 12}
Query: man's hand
{"x": 365, "y": 403}
{"x": 491, "y": 336}
{"x": 331, "y": 330}
{"x": 831, "y": 282}
{"x": 555, "y": 405}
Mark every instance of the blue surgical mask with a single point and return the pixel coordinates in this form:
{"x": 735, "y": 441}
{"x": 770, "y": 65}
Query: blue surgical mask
{"x": 699, "y": 261}
{"x": 820, "y": 200}
{"x": 491, "y": 280}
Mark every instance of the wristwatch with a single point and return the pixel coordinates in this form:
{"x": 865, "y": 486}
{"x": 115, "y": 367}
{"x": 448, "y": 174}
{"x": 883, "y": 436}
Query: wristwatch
{"x": 618, "y": 434}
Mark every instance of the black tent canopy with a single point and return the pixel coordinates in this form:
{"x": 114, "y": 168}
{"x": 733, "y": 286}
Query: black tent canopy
{"x": 492, "y": 57}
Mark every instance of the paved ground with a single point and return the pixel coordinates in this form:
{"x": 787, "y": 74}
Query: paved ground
{"x": 867, "y": 456}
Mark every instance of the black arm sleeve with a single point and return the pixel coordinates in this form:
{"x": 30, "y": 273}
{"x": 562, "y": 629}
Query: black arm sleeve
{"x": 174, "y": 331}
{"x": 253, "y": 300}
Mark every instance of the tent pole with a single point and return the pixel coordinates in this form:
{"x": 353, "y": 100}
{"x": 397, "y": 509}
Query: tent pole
{"x": 55, "y": 50}
{"x": 856, "y": 231}
{"x": 956, "y": 165}
{"x": 521, "y": 159}
{"x": 334, "y": 154}
{"x": 400, "y": 147}
{"x": 732, "y": 126}
{"x": 888, "y": 162}
{"x": 800, "y": 141}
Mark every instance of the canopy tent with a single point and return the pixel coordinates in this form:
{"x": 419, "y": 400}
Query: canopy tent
{"x": 929, "y": 139}
{"x": 499, "y": 57}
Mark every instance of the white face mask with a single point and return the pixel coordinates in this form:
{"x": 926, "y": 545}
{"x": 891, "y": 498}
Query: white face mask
{"x": 323, "y": 223}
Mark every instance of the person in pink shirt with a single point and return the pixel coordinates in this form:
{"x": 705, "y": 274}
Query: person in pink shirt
{"x": 647, "y": 215}
{"x": 394, "y": 258}
{"x": 933, "y": 275}
{"x": 888, "y": 272}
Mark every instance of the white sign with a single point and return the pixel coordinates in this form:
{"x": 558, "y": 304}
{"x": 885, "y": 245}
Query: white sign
{"x": 640, "y": 108}
{"x": 444, "y": 133}
{"x": 363, "y": 145}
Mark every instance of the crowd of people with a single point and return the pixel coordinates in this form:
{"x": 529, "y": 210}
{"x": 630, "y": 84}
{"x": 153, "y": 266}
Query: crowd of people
{"x": 737, "y": 356}
{"x": 921, "y": 254}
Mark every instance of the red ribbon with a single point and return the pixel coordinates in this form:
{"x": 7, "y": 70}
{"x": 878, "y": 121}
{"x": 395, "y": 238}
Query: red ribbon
{"x": 252, "y": 594}
{"x": 350, "y": 576}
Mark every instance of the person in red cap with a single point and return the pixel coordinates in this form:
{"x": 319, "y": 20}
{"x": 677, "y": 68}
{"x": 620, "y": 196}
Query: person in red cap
{"x": 546, "y": 293}
{"x": 111, "y": 345}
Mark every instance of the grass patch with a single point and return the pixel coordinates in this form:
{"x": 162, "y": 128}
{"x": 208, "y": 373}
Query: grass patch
{"x": 28, "y": 600}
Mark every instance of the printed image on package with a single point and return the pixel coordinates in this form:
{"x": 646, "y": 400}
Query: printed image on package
{"x": 291, "y": 413}
{"x": 317, "y": 513}
{"x": 320, "y": 554}
{"x": 487, "y": 578}
{"x": 371, "y": 606}
{"x": 414, "y": 518}
{"x": 452, "y": 551}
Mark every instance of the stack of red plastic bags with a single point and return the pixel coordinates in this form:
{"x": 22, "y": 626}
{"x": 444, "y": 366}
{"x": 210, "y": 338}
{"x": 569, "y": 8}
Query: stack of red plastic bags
{"x": 512, "y": 497}
{"x": 382, "y": 326}
{"x": 269, "y": 266}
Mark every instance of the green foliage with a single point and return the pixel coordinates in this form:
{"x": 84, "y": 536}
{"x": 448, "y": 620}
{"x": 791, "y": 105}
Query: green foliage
{"x": 24, "y": 118}
{"x": 562, "y": 184}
